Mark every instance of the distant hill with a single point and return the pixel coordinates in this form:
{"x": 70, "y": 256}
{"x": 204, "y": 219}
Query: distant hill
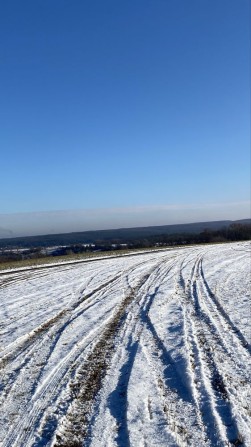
{"x": 120, "y": 235}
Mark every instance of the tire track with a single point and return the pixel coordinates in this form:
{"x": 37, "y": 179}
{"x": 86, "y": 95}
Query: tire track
{"x": 104, "y": 286}
{"x": 36, "y": 346}
{"x": 73, "y": 383}
{"x": 75, "y": 426}
{"x": 210, "y": 391}
{"x": 126, "y": 352}
{"x": 222, "y": 314}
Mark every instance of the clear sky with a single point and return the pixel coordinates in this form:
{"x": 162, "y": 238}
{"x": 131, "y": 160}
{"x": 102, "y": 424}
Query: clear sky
{"x": 108, "y": 104}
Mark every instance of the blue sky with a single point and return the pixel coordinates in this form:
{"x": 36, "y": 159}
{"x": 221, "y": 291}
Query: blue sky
{"x": 120, "y": 104}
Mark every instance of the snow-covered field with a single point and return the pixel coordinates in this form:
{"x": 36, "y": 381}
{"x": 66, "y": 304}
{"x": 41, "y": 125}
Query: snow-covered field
{"x": 142, "y": 351}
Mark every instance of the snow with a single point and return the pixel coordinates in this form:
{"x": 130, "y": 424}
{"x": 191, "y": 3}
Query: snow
{"x": 147, "y": 350}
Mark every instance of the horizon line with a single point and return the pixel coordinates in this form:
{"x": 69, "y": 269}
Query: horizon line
{"x": 126, "y": 228}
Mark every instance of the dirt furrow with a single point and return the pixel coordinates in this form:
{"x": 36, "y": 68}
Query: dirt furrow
{"x": 89, "y": 377}
{"x": 36, "y": 349}
{"x": 53, "y": 384}
{"x": 88, "y": 380}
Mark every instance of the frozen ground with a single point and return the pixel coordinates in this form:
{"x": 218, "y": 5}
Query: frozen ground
{"x": 143, "y": 351}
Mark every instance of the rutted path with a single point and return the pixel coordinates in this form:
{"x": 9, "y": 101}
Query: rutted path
{"x": 127, "y": 352}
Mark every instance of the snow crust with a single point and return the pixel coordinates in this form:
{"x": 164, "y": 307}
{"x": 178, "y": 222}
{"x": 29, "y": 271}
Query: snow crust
{"x": 166, "y": 336}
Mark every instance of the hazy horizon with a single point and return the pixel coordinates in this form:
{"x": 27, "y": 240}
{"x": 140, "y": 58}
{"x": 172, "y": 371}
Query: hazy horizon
{"x": 68, "y": 221}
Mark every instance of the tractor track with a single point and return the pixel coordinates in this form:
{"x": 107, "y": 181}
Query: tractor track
{"x": 71, "y": 373}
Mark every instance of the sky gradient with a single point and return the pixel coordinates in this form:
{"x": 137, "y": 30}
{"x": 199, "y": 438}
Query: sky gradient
{"x": 124, "y": 104}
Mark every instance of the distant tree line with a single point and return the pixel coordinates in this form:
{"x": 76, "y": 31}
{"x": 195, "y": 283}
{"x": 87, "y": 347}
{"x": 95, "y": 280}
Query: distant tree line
{"x": 19, "y": 255}
{"x": 234, "y": 232}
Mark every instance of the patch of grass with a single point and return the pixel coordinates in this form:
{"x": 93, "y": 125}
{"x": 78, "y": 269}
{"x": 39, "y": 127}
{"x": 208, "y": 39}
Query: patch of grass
{"x": 36, "y": 262}
{"x": 55, "y": 259}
